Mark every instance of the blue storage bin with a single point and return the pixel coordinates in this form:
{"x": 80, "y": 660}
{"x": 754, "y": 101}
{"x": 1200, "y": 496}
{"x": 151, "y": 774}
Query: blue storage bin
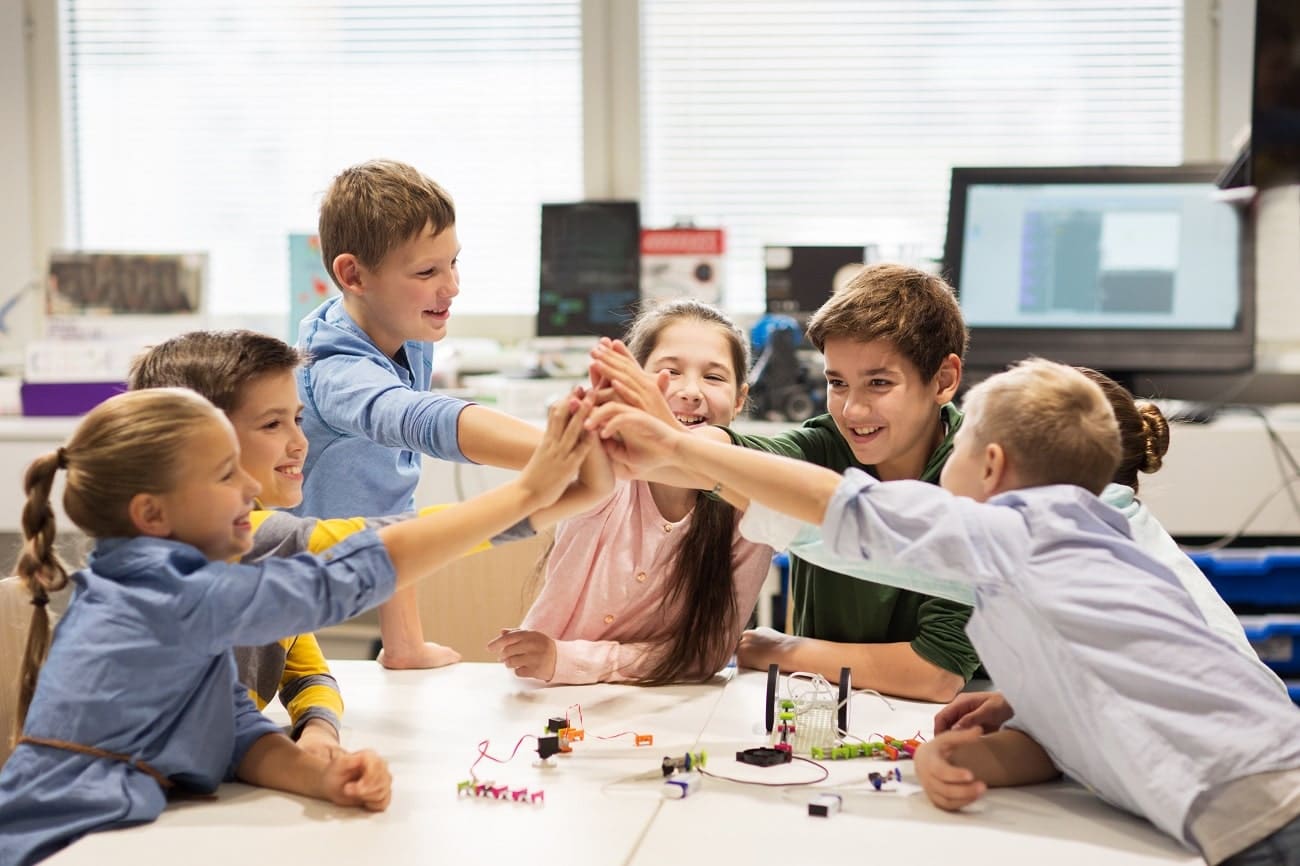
{"x": 1263, "y": 578}
{"x": 1276, "y": 638}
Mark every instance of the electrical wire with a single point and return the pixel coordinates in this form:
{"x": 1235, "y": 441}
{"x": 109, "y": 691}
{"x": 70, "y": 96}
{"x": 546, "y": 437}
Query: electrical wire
{"x": 823, "y": 777}
{"x": 482, "y": 753}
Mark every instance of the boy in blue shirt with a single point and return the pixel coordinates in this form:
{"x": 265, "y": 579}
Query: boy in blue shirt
{"x": 388, "y": 239}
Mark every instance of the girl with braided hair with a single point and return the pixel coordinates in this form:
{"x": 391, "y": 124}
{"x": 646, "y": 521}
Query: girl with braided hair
{"x": 136, "y": 696}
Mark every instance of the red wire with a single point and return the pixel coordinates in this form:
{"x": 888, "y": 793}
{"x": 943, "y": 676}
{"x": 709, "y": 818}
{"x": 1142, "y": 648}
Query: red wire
{"x": 482, "y": 753}
{"x": 616, "y": 736}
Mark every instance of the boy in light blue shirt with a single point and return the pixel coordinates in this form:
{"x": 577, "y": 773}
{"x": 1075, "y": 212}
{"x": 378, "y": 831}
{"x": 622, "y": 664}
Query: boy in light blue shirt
{"x": 388, "y": 239}
{"x": 1115, "y": 676}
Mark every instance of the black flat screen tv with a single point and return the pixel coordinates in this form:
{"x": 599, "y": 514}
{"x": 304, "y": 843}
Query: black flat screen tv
{"x": 1126, "y": 269}
{"x": 1275, "y": 98}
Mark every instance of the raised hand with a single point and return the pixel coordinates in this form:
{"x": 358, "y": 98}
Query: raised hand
{"x": 564, "y": 446}
{"x": 634, "y": 438}
{"x": 623, "y": 380}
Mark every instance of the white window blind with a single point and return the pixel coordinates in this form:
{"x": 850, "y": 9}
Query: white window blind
{"x": 216, "y": 126}
{"x": 837, "y": 121}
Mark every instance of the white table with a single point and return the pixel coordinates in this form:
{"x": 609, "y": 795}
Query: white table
{"x": 603, "y": 801}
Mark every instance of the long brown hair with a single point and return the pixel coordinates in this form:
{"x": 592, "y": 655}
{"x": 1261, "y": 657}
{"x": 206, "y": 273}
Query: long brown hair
{"x": 1143, "y": 430}
{"x": 701, "y": 580}
{"x": 132, "y": 443}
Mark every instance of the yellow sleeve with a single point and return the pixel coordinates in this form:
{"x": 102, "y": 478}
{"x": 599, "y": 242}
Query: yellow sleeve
{"x": 331, "y": 531}
{"x": 307, "y": 689}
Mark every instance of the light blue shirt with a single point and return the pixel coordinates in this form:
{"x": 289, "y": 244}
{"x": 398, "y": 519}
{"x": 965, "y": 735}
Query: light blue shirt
{"x": 367, "y": 418}
{"x": 1109, "y": 664}
{"x": 1153, "y": 539}
{"x": 767, "y": 526}
{"x": 141, "y": 664}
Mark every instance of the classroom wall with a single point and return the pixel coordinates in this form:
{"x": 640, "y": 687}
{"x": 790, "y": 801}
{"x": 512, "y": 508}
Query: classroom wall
{"x": 17, "y": 244}
{"x": 1217, "y": 104}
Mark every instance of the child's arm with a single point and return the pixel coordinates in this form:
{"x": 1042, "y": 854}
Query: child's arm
{"x": 494, "y": 438}
{"x": 891, "y": 668}
{"x": 595, "y": 483}
{"x": 921, "y": 529}
{"x": 419, "y": 547}
{"x": 348, "y": 779}
{"x": 284, "y": 596}
{"x": 278, "y": 533}
{"x": 955, "y": 768}
{"x": 794, "y": 487}
{"x": 534, "y": 655}
{"x": 311, "y": 695}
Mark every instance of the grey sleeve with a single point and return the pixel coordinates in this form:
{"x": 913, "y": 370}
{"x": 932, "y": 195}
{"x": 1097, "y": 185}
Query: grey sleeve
{"x": 281, "y": 534}
{"x": 521, "y": 530}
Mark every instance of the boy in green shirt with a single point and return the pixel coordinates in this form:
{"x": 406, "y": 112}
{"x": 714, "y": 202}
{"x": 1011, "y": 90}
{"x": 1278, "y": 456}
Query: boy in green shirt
{"x": 893, "y": 341}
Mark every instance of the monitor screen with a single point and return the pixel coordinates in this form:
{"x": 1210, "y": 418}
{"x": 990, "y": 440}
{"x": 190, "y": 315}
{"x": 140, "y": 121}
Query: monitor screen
{"x": 1275, "y": 121}
{"x": 1125, "y": 269}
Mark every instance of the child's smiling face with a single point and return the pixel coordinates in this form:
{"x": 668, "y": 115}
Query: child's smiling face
{"x": 703, "y": 384}
{"x": 885, "y": 410}
{"x": 268, "y": 423}
{"x": 408, "y": 296}
{"x": 209, "y": 508}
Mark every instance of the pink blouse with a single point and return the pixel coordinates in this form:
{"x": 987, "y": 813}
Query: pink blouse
{"x": 607, "y": 585}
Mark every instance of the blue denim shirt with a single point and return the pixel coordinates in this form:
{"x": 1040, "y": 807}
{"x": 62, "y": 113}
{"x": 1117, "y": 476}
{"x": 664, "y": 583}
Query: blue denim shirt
{"x": 141, "y": 665}
{"x": 367, "y": 418}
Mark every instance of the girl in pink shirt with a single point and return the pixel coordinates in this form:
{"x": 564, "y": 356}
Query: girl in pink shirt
{"x": 653, "y": 585}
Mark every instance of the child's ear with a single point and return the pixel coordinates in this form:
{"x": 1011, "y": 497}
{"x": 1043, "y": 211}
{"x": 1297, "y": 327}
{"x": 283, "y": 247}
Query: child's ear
{"x": 994, "y": 475}
{"x": 741, "y": 396}
{"x": 947, "y": 379}
{"x": 347, "y": 271}
{"x": 149, "y": 515}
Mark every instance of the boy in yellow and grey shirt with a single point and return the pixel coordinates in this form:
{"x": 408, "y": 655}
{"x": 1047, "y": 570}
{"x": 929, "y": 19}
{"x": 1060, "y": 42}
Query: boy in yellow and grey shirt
{"x": 295, "y": 667}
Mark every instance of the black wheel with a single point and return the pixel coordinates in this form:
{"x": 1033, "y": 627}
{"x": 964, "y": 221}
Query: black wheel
{"x": 846, "y": 692}
{"x": 769, "y": 711}
{"x": 798, "y": 406}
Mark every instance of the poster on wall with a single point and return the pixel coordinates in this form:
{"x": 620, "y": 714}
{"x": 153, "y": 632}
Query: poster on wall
{"x": 682, "y": 262}
{"x": 309, "y": 283}
{"x": 125, "y": 284}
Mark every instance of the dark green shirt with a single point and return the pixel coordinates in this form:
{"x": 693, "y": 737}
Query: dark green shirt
{"x": 835, "y": 607}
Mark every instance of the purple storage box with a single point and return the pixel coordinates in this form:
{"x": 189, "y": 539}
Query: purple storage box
{"x": 66, "y": 398}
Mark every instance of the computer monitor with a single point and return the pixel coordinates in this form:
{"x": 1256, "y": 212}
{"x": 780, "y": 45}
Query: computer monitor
{"x": 1124, "y": 269}
{"x": 1275, "y": 98}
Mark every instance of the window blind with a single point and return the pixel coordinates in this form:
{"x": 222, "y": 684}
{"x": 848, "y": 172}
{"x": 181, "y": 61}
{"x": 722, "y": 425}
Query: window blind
{"x": 837, "y": 121}
{"x": 217, "y": 126}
